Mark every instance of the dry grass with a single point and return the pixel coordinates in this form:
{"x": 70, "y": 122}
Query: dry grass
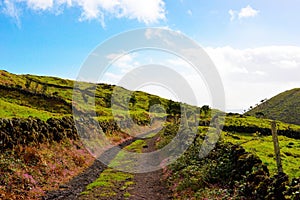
{"x": 26, "y": 172}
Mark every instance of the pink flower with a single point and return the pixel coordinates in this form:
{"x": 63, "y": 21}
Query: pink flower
{"x": 30, "y": 178}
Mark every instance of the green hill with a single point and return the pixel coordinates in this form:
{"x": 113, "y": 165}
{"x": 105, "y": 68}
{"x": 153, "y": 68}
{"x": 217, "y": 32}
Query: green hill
{"x": 284, "y": 107}
{"x": 45, "y": 97}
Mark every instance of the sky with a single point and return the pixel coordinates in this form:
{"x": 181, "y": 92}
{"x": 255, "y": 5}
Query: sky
{"x": 254, "y": 45}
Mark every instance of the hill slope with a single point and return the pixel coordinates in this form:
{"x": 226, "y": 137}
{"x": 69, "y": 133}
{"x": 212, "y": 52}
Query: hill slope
{"x": 284, "y": 107}
{"x": 45, "y": 97}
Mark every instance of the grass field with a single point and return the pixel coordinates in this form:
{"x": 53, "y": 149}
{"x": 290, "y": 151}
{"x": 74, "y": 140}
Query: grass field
{"x": 263, "y": 147}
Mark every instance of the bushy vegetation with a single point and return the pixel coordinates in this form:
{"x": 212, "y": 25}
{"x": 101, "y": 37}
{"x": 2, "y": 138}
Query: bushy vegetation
{"x": 227, "y": 172}
{"x": 248, "y": 124}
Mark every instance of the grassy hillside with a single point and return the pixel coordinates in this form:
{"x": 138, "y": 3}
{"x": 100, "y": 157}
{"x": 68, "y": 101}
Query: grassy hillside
{"x": 284, "y": 107}
{"x": 45, "y": 97}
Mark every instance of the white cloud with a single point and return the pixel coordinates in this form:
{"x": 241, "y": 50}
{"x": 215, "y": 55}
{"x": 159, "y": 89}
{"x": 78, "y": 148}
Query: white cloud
{"x": 248, "y": 11}
{"x": 40, "y": 4}
{"x": 253, "y": 74}
{"x": 123, "y": 63}
{"x": 189, "y": 12}
{"x": 144, "y": 11}
{"x": 245, "y": 12}
{"x": 162, "y": 35}
{"x": 248, "y": 75}
{"x": 279, "y": 63}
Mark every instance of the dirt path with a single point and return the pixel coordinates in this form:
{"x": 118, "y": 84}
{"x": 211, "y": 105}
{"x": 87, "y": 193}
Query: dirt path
{"x": 75, "y": 186}
{"x": 149, "y": 185}
{"x": 146, "y": 185}
{"x": 72, "y": 189}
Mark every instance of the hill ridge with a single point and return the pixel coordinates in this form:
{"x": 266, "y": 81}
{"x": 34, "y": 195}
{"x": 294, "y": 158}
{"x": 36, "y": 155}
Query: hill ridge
{"x": 284, "y": 107}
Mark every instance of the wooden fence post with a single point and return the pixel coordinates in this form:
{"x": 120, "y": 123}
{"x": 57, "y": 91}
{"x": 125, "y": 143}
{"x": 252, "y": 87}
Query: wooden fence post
{"x": 276, "y": 147}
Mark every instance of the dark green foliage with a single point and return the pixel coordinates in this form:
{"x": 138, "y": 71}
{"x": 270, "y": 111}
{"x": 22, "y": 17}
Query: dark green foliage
{"x": 237, "y": 173}
{"x": 205, "y": 109}
{"x": 132, "y": 100}
{"x": 154, "y": 101}
{"x": 174, "y": 107}
{"x": 14, "y": 132}
{"x": 263, "y": 131}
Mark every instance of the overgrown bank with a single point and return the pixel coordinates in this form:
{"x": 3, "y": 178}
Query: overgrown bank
{"x": 228, "y": 172}
{"x": 38, "y": 156}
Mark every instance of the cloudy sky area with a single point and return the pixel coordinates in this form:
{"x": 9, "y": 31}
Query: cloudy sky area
{"x": 254, "y": 44}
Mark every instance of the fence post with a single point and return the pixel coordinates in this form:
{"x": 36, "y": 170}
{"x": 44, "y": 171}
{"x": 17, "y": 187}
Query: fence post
{"x": 276, "y": 147}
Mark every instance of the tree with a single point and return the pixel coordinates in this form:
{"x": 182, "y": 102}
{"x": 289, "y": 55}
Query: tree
{"x": 174, "y": 108}
{"x": 205, "y": 109}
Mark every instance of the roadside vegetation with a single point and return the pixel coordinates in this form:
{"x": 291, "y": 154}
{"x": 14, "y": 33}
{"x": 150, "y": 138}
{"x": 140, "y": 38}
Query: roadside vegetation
{"x": 231, "y": 170}
{"x": 39, "y": 151}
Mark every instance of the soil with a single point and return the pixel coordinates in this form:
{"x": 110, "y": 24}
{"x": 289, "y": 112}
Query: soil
{"x": 147, "y": 185}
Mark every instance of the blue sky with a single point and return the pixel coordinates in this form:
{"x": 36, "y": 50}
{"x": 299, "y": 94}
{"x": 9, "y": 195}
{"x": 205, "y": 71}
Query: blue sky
{"x": 254, "y": 44}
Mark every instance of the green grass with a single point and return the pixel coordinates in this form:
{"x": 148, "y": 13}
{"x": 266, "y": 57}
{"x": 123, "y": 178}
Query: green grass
{"x": 24, "y": 90}
{"x": 121, "y": 159}
{"x": 257, "y": 122}
{"x": 284, "y": 107}
{"x": 111, "y": 179}
{"x": 10, "y": 110}
{"x": 263, "y": 147}
{"x": 108, "y": 182}
{"x": 136, "y": 146}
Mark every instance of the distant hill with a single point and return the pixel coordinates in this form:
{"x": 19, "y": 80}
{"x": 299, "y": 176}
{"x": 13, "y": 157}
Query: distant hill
{"x": 284, "y": 107}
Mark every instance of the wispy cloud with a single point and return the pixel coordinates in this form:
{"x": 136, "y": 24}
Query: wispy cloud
{"x": 144, "y": 11}
{"x": 245, "y": 12}
{"x": 232, "y": 14}
{"x": 11, "y": 10}
{"x": 40, "y": 4}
